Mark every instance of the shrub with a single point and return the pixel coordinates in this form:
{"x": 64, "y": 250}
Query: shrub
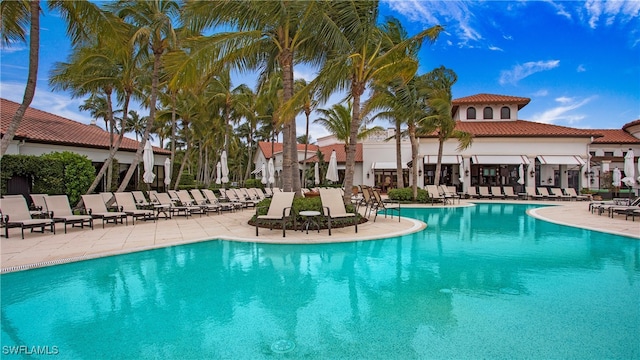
{"x": 254, "y": 183}
{"x": 78, "y": 173}
{"x": 406, "y": 194}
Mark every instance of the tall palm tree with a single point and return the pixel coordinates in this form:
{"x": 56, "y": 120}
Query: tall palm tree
{"x": 84, "y": 20}
{"x": 135, "y": 123}
{"x": 153, "y": 34}
{"x": 439, "y": 82}
{"x": 308, "y": 105}
{"x": 270, "y": 35}
{"x": 363, "y": 58}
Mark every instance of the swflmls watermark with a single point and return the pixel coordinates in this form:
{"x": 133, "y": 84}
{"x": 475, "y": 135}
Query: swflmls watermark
{"x": 30, "y": 350}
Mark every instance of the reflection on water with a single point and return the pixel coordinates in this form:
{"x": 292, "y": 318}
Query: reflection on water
{"x": 483, "y": 281}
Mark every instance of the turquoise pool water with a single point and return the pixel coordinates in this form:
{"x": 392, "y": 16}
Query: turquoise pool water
{"x": 486, "y": 281}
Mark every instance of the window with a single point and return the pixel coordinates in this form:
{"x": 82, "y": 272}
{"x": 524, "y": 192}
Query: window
{"x": 505, "y": 113}
{"x": 471, "y": 113}
{"x": 488, "y": 113}
{"x": 608, "y": 153}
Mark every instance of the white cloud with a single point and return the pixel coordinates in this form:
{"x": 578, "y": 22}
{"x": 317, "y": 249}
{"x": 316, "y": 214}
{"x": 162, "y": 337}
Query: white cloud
{"x": 581, "y": 68}
{"x": 495, "y": 48}
{"x": 541, "y": 93}
{"x": 520, "y": 72}
{"x": 611, "y": 12}
{"x": 563, "y": 112}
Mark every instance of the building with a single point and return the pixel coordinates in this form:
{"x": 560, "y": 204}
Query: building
{"x": 41, "y": 132}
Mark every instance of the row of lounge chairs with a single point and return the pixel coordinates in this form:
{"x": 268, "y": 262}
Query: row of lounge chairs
{"x": 627, "y": 207}
{"x": 531, "y": 192}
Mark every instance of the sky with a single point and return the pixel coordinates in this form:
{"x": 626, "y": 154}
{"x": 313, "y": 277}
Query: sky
{"x": 578, "y": 61}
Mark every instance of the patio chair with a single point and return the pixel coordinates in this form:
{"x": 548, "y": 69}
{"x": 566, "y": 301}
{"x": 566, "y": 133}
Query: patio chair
{"x": 559, "y": 194}
{"x": 496, "y": 192}
{"x": 109, "y": 200}
{"x": 186, "y": 200}
{"x": 127, "y": 204}
{"x": 279, "y": 211}
{"x": 141, "y": 200}
{"x": 95, "y": 206}
{"x": 572, "y": 193}
{"x": 334, "y": 208}
{"x": 38, "y": 202}
{"x": 213, "y": 199}
{"x": 201, "y": 201}
{"x": 367, "y": 200}
{"x": 544, "y": 192}
{"x": 230, "y": 196}
{"x": 508, "y": 192}
{"x": 14, "y": 212}
{"x": 258, "y": 194}
{"x": 472, "y": 192}
{"x": 483, "y": 192}
{"x": 451, "y": 190}
{"x": 436, "y": 195}
{"x": 450, "y": 193}
{"x": 268, "y": 192}
{"x": 531, "y": 193}
{"x": 61, "y": 212}
{"x": 167, "y": 204}
{"x": 386, "y": 205}
{"x": 622, "y": 209}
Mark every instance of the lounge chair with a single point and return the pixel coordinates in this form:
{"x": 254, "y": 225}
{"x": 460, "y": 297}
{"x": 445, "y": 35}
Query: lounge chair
{"x": 213, "y": 199}
{"x": 621, "y": 209}
{"x": 279, "y": 211}
{"x": 367, "y": 200}
{"x": 167, "y": 204}
{"x": 559, "y": 194}
{"x": 333, "y": 206}
{"x": 449, "y": 195}
{"x": 531, "y": 193}
{"x": 508, "y": 192}
{"x": 186, "y": 200}
{"x": 14, "y": 212}
{"x": 243, "y": 197}
{"x": 386, "y": 205}
{"x": 259, "y": 194}
{"x": 109, "y": 200}
{"x": 483, "y": 191}
{"x": 95, "y": 206}
{"x": 232, "y": 197}
{"x": 496, "y": 192}
{"x": 545, "y": 193}
{"x": 38, "y": 202}
{"x": 472, "y": 192}
{"x": 127, "y": 204}
{"x": 451, "y": 190}
{"x": 61, "y": 212}
{"x": 436, "y": 195}
{"x": 201, "y": 201}
{"x": 141, "y": 200}
{"x": 572, "y": 193}
{"x": 268, "y": 192}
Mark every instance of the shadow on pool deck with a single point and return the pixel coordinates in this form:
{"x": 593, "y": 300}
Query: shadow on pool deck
{"x": 47, "y": 249}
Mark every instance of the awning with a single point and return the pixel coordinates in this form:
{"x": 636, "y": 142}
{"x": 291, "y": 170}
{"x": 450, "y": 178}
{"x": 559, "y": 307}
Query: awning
{"x": 446, "y": 159}
{"x": 560, "y": 160}
{"x": 500, "y": 159}
{"x": 384, "y": 165}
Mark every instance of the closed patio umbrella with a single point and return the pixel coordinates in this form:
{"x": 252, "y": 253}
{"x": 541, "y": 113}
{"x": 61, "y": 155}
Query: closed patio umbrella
{"x": 218, "y": 173}
{"x": 272, "y": 172}
{"x": 147, "y": 160}
{"x": 225, "y": 167}
{"x": 461, "y": 171}
{"x": 616, "y": 177}
{"x": 332, "y": 171}
{"x": 629, "y": 171}
{"x": 264, "y": 174}
{"x": 167, "y": 171}
{"x": 521, "y": 175}
{"x": 316, "y": 174}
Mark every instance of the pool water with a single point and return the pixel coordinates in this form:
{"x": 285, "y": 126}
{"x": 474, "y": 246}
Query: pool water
{"x": 486, "y": 281}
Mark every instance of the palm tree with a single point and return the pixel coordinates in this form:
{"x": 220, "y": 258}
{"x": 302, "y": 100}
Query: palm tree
{"x": 439, "y": 81}
{"x": 135, "y": 123}
{"x": 84, "y": 20}
{"x": 308, "y": 105}
{"x": 338, "y": 121}
{"x": 270, "y": 35}
{"x": 153, "y": 34}
{"x": 363, "y": 57}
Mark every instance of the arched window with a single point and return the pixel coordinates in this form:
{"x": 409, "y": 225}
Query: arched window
{"x": 505, "y": 113}
{"x": 488, "y": 113}
{"x": 471, "y": 113}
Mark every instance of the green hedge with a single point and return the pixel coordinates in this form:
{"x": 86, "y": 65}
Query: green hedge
{"x": 406, "y": 194}
{"x": 309, "y": 204}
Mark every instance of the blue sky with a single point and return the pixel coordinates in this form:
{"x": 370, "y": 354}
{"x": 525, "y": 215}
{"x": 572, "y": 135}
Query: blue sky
{"x": 578, "y": 61}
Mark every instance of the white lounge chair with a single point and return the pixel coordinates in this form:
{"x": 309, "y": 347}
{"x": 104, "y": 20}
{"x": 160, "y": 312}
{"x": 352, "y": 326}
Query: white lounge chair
{"x": 213, "y": 199}
{"x": 559, "y": 194}
{"x": 333, "y": 206}
{"x": 508, "y": 192}
{"x": 95, "y": 206}
{"x": 14, "y": 212}
{"x": 61, "y": 212}
{"x": 201, "y": 201}
{"x": 279, "y": 211}
{"x": 496, "y": 192}
{"x": 127, "y": 204}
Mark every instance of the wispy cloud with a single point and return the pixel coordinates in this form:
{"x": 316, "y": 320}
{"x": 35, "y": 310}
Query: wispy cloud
{"x": 457, "y": 16}
{"x": 563, "y": 112}
{"x": 541, "y": 93}
{"x": 581, "y": 68}
{"x": 495, "y": 48}
{"x": 522, "y": 71}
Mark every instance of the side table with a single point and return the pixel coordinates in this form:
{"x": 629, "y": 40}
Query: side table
{"x": 310, "y": 218}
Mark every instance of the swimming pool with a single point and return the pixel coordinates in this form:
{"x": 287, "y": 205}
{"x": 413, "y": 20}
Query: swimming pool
{"x": 485, "y": 281}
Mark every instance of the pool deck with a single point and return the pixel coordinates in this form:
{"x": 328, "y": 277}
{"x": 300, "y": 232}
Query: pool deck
{"x": 37, "y": 249}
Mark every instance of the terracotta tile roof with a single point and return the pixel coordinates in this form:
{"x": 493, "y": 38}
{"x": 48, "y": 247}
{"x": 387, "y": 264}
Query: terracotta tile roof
{"x": 42, "y": 127}
{"x": 341, "y": 154}
{"x": 630, "y": 124}
{"x": 520, "y": 128}
{"x": 615, "y": 136}
{"x": 491, "y": 99}
{"x": 265, "y": 147}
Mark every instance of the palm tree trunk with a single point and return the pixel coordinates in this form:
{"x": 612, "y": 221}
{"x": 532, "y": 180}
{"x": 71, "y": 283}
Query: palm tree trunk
{"x": 30, "y": 89}
{"x": 150, "y": 120}
{"x": 399, "y": 173}
{"x": 187, "y": 154}
{"x": 414, "y": 158}
{"x": 357, "y": 89}
{"x": 288, "y": 147}
{"x": 436, "y": 180}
